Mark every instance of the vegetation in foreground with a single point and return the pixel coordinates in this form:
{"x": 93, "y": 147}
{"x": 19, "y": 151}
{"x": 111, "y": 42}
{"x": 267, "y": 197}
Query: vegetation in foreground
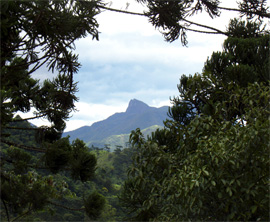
{"x": 211, "y": 162}
{"x": 110, "y": 174}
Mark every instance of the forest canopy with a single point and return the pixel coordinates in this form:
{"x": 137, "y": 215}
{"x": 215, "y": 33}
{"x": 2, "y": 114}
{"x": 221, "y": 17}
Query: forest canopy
{"x": 211, "y": 162}
{"x": 32, "y": 36}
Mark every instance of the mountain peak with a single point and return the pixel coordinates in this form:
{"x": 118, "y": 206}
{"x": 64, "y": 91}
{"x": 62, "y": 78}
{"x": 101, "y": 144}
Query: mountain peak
{"x": 136, "y": 106}
{"x": 137, "y": 115}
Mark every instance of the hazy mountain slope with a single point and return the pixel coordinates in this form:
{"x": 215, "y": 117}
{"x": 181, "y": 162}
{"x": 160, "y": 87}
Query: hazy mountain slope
{"x": 137, "y": 115}
{"x": 122, "y": 139}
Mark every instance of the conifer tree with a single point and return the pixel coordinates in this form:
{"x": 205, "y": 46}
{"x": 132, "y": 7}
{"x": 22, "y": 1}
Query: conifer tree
{"x": 211, "y": 162}
{"x": 37, "y": 34}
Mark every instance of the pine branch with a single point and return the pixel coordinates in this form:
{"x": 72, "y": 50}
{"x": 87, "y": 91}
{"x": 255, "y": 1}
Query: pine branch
{"x": 121, "y": 11}
{"x": 26, "y": 34}
{"x": 19, "y": 128}
{"x": 261, "y": 14}
{"x": 6, "y": 210}
{"x": 48, "y": 55}
{"x": 217, "y": 31}
{"x": 29, "y": 165}
{"x": 22, "y": 215}
{"x": 5, "y": 159}
{"x": 34, "y": 117}
{"x": 38, "y": 65}
{"x": 22, "y": 146}
{"x": 200, "y": 31}
{"x": 65, "y": 207}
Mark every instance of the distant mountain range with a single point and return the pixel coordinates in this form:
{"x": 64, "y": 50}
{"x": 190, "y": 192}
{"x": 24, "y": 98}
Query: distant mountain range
{"x": 115, "y": 130}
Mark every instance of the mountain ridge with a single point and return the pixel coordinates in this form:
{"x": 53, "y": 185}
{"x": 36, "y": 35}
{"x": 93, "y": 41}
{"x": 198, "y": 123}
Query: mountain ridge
{"x": 137, "y": 115}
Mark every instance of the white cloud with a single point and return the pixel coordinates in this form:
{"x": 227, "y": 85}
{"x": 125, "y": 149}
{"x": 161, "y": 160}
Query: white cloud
{"x": 89, "y": 113}
{"x": 159, "y": 103}
{"x": 140, "y": 49}
{"x": 86, "y": 114}
{"x": 97, "y": 111}
{"x": 73, "y": 124}
{"x": 132, "y": 60}
{"x": 114, "y": 23}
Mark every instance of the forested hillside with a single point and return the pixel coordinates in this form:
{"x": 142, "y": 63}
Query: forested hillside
{"x": 110, "y": 174}
{"x": 122, "y": 140}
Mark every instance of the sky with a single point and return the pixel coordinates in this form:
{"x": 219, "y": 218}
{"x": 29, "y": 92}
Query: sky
{"x": 132, "y": 60}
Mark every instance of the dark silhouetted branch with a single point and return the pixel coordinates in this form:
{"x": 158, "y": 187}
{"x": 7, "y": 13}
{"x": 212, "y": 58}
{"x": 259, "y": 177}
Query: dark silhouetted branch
{"x": 23, "y": 146}
{"x": 65, "y": 207}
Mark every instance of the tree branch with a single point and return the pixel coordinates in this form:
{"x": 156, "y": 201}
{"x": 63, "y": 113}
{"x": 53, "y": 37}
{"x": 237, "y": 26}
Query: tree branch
{"x": 121, "y": 11}
{"x": 22, "y": 146}
{"x": 34, "y": 117}
{"x": 262, "y": 14}
{"x": 217, "y": 31}
{"x": 204, "y": 32}
{"x": 29, "y": 165}
{"x": 26, "y": 34}
{"x": 33, "y": 61}
{"x": 19, "y": 128}
{"x": 6, "y": 210}
{"x": 22, "y": 215}
{"x": 37, "y": 66}
{"x": 65, "y": 207}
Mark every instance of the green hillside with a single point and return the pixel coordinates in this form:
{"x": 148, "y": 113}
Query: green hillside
{"x": 108, "y": 179}
{"x": 122, "y": 139}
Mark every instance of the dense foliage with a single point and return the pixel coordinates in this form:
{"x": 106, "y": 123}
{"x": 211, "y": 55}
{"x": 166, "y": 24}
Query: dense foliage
{"x": 211, "y": 162}
{"x": 35, "y": 34}
{"x": 62, "y": 198}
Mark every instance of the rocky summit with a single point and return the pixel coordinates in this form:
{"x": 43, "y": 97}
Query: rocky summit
{"x": 137, "y": 115}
